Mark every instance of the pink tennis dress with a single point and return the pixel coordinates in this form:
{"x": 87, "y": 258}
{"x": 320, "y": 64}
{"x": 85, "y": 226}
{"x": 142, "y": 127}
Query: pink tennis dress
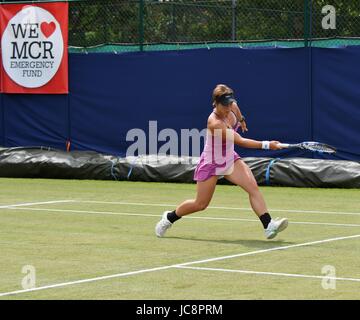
{"x": 217, "y": 158}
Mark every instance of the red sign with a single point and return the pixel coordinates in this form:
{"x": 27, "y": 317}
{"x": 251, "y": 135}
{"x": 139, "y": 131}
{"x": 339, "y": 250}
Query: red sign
{"x": 34, "y": 41}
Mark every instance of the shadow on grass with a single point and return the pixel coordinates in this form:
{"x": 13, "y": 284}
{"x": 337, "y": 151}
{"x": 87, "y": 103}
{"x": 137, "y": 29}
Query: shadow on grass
{"x": 259, "y": 244}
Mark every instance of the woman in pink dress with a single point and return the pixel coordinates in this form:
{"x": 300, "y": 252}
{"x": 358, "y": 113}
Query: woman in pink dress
{"x": 219, "y": 159}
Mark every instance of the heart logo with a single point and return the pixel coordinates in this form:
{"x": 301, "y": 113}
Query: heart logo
{"x": 48, "y": 28}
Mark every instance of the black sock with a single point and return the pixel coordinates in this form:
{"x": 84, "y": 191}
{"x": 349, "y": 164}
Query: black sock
{"x": 172, "y": 217}
{"x": 265, "y": 219}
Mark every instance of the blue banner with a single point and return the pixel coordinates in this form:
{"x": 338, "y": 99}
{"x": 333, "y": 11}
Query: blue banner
{"x": 290, "y": 95}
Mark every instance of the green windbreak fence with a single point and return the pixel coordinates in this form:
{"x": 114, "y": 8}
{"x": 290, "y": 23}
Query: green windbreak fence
{"x": 143, "y": 25}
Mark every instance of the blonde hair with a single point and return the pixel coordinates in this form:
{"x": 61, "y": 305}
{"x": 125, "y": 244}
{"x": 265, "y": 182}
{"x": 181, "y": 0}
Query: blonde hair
{"x": 219, "y": 90}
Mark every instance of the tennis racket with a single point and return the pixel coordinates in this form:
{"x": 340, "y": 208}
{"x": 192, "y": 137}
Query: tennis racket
{"x": 311, "y": 146}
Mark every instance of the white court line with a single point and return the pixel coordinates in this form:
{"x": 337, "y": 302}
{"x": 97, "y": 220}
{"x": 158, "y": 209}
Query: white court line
{"x": 295, "y": 275}
{"x": 118, "y": 275}
{"x": 188, "y": 217}
{"x": 213, "y": 207}
{"x": 33, "y": 203}
{"x": 269, "y": 250}
{"x": 64, "y": 284}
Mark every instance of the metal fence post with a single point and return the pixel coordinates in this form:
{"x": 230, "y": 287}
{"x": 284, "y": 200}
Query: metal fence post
{"x": 173, "y": 23}
{"x": 141, "y": 24}
{"x": 233, "y": 31}
{"x": 105, "y": 18}
{"x": 307, "y": 22}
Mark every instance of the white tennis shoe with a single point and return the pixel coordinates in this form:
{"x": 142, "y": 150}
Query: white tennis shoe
{"x": 275, "y": 226}
{"x": 163, "y": 225}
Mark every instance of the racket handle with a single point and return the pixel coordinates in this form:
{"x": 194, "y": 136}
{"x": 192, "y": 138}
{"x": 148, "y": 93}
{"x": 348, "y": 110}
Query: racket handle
{"x": 284, "y": 145}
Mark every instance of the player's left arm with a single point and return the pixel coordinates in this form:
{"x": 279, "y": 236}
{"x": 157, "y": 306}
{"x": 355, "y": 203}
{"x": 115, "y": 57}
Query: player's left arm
{"x": 235, "y": 108}
{"x": 255, "y": 144}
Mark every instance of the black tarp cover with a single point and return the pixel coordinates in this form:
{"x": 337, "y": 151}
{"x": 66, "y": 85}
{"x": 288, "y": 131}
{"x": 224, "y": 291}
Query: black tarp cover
{"x": 39, "y": 162}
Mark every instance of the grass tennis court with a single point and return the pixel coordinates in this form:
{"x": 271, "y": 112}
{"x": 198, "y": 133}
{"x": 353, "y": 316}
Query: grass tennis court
{"x": 95, "y": 240}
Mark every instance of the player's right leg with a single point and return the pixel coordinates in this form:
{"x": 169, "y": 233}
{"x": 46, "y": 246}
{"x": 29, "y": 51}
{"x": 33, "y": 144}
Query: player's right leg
{"x": 243, "y": 177}
{"x": 205, "y": 190}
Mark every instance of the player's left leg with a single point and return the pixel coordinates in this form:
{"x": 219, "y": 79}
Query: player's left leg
{"x": 242, "y": 176}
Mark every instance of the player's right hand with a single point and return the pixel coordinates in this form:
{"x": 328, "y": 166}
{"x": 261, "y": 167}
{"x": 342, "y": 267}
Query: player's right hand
{"x": 274, "y": 145}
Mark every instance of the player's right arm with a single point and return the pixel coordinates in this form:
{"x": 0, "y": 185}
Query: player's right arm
{"x": 219, "y": 129}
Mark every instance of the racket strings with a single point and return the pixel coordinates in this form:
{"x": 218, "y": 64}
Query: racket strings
{"x": 319, "y": 147}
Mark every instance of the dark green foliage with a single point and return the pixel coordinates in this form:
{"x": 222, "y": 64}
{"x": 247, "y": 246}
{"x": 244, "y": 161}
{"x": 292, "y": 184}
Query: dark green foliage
{"x": 95, "y": 22}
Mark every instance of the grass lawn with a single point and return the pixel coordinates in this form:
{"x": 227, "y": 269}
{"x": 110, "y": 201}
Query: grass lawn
{"x": 95, "y": 240}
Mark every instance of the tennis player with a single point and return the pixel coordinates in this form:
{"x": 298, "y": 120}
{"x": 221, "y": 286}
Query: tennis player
{"x": 219, "y": 159}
